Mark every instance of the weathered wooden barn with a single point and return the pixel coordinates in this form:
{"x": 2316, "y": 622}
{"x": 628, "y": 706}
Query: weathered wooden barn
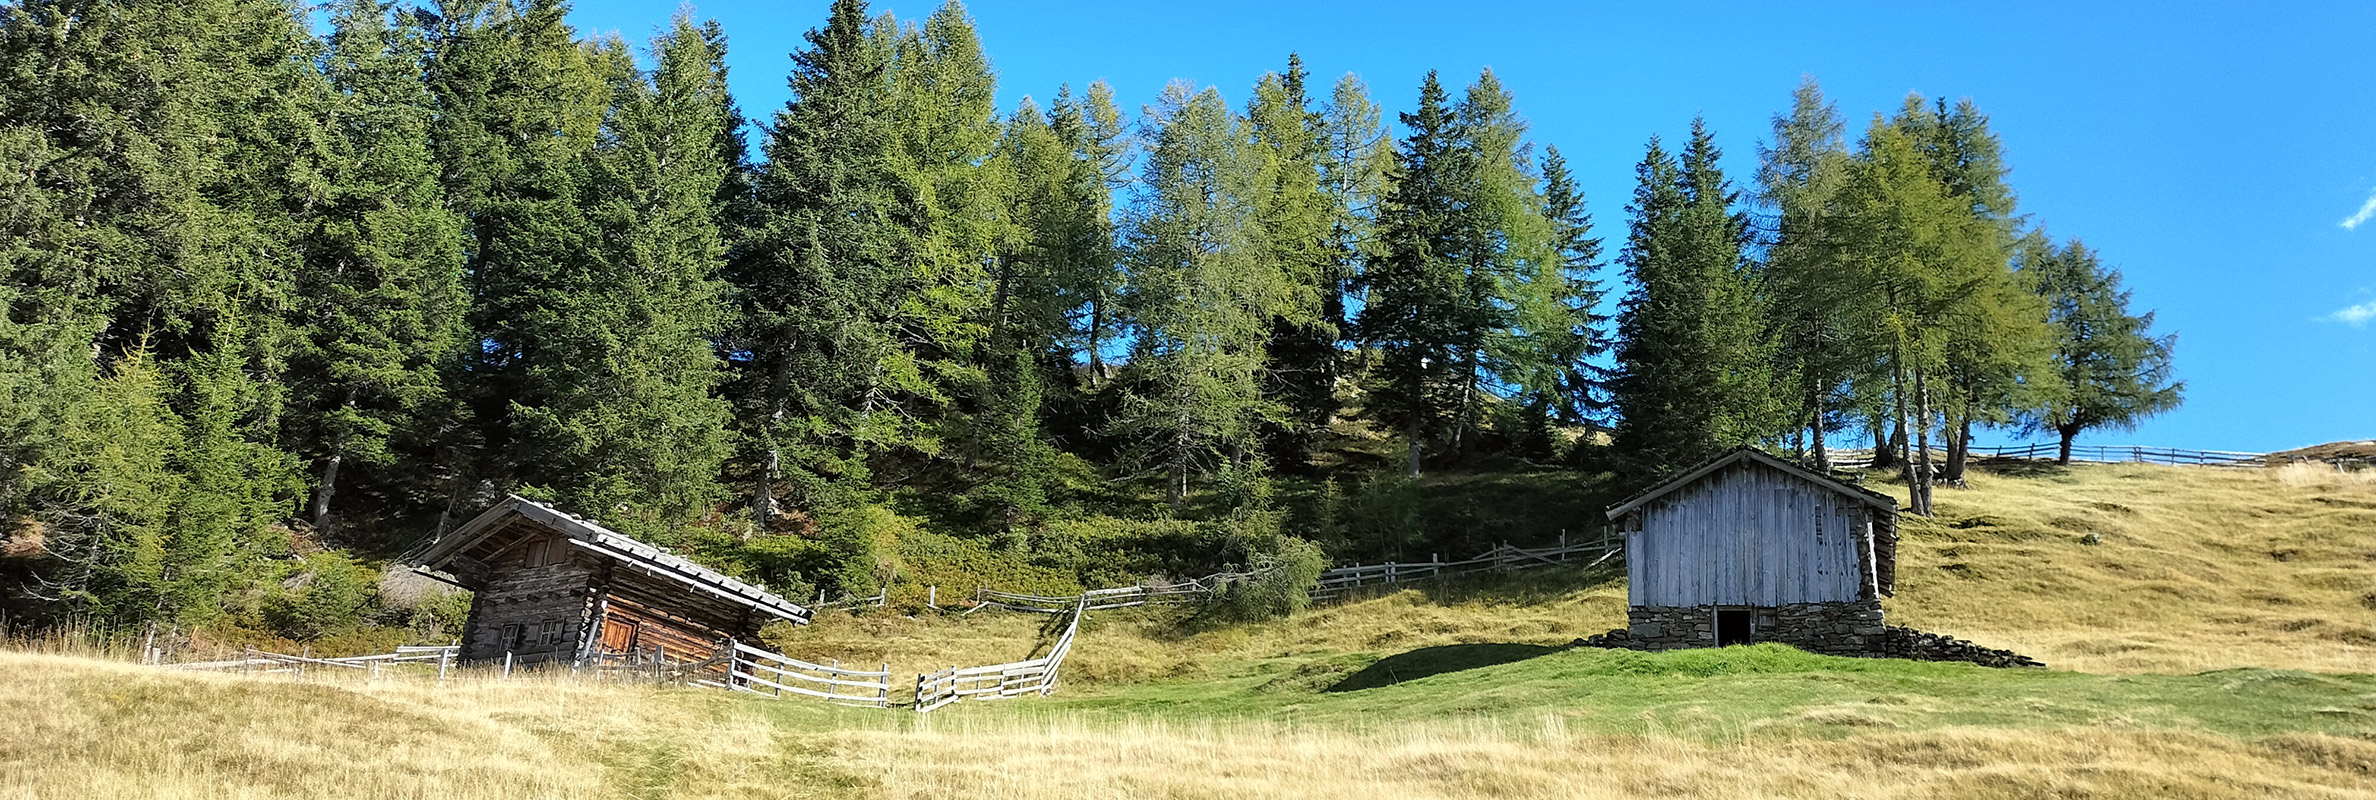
{"x": 1747, "y": 547}
{"x": 549, "y": 586}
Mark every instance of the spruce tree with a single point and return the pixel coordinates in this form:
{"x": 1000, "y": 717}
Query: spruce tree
{"x": 380, "y": 300}
{"x": 1412, "y": 314}
{"x": 820, "y": 273}
{"x": 625, "y": 421}
{"x": 1693, "y": 361}
{"x": 1556, "y": 320}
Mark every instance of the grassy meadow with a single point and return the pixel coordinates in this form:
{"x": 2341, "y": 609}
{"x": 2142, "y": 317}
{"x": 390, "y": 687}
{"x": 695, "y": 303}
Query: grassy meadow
{"x": 2210, "y": 633}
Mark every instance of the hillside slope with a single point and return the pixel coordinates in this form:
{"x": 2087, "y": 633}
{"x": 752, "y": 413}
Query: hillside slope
{"x": 2110, "y": 568}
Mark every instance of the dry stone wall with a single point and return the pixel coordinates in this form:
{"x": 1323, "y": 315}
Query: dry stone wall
{"x": 1836, "y": 629}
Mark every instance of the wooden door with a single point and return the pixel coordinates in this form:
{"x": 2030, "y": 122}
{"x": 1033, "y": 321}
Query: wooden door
{"x": 618, "y": 635}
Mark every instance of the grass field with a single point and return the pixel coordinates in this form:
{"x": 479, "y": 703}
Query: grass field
{"x": 2212, "y": 641}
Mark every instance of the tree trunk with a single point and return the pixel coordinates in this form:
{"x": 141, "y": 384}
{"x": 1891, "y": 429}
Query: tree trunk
{"x": 1922, "y": 466}
{"x": 1411, "y": 433}
{"x": 321, "y": 498}
{"x": 2068, "y": 433}
{"x": 1815, "y": 429}
{"x": 1897, "y": 392}
{"x": 771, "y": 467}
{"x": 1959, "y": 452}
{"x": 1884, "y": 448}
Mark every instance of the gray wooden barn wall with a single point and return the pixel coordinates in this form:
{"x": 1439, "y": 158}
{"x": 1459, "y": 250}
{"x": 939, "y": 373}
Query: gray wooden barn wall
{"x": 1747, "y": 535}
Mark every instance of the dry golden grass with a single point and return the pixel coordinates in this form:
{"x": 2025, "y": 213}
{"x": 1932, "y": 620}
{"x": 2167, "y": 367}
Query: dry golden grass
{"x": 83, "y": 728}
{"x": 2192, "y": 568}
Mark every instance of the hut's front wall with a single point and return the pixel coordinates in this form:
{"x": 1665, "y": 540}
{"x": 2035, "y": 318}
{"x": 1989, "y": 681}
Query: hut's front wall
{"x": 535, "y": 613}
{"x": 1747, "y": 535}
{"x": 637, "y": 619}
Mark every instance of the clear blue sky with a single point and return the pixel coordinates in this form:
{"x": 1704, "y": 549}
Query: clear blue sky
{"x": 2213, "y": 153}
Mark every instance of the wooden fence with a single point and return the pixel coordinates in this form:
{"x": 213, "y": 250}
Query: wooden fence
{"x": 2082, "y": 453}
{"x": 998, "y": 681}
{"x": 750, "y": 669}
{"x": 1337, "y": 583}
{"x": 258, "y": 661}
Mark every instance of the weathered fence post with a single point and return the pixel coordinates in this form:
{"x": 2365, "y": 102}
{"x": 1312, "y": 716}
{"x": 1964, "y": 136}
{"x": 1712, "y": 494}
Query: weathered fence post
{"x": 883, "y": 699}
{"x": 932, "y": 596}
{"x": 507, "y": 662}
{"x": 443, "y": 657}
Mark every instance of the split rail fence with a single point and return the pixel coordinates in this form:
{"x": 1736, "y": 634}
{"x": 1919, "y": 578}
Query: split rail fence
{"x": 999, "y": 681}
{"x": 750, "y": 669}
{"x": 258, "y": 661}
{"x": 2084, "y": 453}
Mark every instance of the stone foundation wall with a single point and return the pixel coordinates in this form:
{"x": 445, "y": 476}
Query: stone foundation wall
{"x": 1839, "y": 629}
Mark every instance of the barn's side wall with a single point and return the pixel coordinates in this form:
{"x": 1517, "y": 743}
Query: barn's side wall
{"x": 679, "y": 635}
{"x": 1748, "y": 535}
{"x": 548, "y": 603}
{"x": 1850, "y": 628}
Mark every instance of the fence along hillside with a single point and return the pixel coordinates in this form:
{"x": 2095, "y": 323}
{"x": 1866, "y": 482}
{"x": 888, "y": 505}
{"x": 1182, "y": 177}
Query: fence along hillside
{"x": 1856, "y": 458}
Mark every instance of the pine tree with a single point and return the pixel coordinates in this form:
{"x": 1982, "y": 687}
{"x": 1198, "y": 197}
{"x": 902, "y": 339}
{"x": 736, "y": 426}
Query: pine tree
{"x": 2114, "y": 372}
{"x": 1201, "y": 293}
{"x": 380, "y": 300}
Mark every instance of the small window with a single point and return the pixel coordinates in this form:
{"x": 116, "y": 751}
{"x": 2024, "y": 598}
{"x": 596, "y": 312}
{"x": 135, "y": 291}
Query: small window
{"x": 515, "y": 636}
{"x": 552, "y": 631}
{"x": 540, "y": 552}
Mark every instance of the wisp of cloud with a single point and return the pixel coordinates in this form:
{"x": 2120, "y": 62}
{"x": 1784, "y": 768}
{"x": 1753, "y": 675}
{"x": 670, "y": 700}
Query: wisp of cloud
{"x": 2358, "y": 315}
{"x": 2367, "y": 212}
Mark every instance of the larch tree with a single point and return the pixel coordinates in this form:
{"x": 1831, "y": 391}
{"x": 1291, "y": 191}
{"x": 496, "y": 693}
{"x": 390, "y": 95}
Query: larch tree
{"x": 1798, "y": 171}
{"x": 1201, "y": 292}
{"x": 1298, "y": 220}
{"x": 2114, "y": 372}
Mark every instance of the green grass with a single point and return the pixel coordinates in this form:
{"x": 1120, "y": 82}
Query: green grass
{"x": 1717, "y": 695}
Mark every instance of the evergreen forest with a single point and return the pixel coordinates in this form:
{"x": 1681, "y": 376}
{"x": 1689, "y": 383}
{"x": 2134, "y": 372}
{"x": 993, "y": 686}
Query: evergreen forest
{"x": 286, "y": 291}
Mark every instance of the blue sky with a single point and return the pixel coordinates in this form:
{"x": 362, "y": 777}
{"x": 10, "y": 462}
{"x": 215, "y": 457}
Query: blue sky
{"x": 2213, "y": 153}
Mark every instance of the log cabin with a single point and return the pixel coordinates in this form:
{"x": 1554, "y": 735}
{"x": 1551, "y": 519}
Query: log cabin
{"x": 551, "y": 587}
{"x": 1748, "y": 547}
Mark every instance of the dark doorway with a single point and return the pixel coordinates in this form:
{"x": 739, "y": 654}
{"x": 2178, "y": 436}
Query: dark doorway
{"x": 1732, "y": 626}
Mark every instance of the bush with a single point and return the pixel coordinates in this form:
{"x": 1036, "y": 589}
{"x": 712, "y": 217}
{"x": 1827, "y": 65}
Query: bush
{"x": 330, "y": 594}
{"x": 1285, "y": 571}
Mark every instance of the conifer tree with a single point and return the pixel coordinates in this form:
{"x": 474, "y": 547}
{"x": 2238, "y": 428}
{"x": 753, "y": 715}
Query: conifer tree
{"x": 1557, "y": 318}
{"x": 1797, "y": 175}
{"x": 380, "y": 300}
{"x": 627, "y": 423}
{"x": 1412, "y": 313}
{"x": 819, "y": 273}
{"x": 1693, "y": 361}
{"x": 2114, "y": 372}
{"x": 1298, "y": 220}
{"x": 1201, "y": 292}
{"x": 520, "y": 107}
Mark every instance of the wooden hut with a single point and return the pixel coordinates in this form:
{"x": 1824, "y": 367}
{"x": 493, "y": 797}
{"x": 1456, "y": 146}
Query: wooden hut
{"x": 552, "y": 587}
{"x": 1747, "y": 547}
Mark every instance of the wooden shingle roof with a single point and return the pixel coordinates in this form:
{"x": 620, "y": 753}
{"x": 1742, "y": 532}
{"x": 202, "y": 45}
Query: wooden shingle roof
{"x": 607, "y": 544}
{"x": 1746, "y": 453}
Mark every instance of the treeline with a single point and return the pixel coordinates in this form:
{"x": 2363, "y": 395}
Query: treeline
{"x": 267, "y": 288}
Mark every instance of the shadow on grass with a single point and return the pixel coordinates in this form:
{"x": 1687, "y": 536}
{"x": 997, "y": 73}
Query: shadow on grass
{"x": 1437, "y": 660}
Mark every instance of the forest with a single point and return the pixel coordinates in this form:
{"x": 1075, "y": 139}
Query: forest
{"x": 291, "y": 290}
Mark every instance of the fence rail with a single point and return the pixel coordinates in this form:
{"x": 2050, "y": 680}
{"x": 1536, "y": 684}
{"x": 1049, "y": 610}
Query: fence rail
{"x": 750, "y": 669}
{"x": 1337, "y": 582}
{"x": 259, "y": 661}
{"x": 998, "y": 681}
{"x": 2082, "y": 453}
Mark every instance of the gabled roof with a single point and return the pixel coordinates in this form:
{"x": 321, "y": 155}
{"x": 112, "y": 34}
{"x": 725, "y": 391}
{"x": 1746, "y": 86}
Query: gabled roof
{"x": 609, "y": 544}
{"x": 1746, "y": 453}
